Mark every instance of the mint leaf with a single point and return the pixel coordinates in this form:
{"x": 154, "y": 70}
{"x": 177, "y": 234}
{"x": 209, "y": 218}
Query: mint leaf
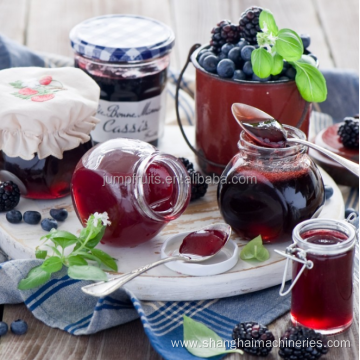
{"x": 201, "y": 341}
{"x": 36, "y": 277}
{"x": 267, "y": 22}
{"x": 40, "y": 254}
{"x": 310, "y": 82}
{"x": 94, "y": 241}
{"x": 289, "y": 45}
{"x": 261, "y": 62}
{"x": 277, "y": 64}
{"x": 76, "y": 260}
{"x": 86, "y": 272}
{"x": 52, "y": 264}
{"x": 255, "y": 250}
{"x": 105, "y": 259}
{"x": 56, "y": 251}
{"x": 88, "y": 256}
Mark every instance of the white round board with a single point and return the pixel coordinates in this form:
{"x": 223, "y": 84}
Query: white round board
{"x": 19, "y": 242}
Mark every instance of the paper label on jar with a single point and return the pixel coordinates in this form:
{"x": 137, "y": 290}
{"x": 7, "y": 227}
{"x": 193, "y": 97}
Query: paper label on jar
{"x": 142, "y": 120}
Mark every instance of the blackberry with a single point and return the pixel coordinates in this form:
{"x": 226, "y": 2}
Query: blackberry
{"x": 224, "y": 32}
{"x": 349, "y": 133}
{"x": 198, "y": 185}
{"x": 253, "y": 338}
{"x": 301, "y": 343}
{"x": 249, "y": 24}
{"x": 188, "y": 164}
{"x": 9, "y": 195}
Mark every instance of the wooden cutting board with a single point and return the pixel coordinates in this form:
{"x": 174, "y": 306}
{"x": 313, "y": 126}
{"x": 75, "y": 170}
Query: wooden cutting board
{"x": 19, "y": 242}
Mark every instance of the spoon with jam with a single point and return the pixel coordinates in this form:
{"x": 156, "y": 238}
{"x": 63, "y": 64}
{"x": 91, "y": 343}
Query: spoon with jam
{"x": 266, "y": 131}
{"x": 197, "y": 246}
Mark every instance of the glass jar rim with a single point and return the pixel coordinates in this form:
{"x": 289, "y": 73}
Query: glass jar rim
{"x": 325, "y": 224}
{"x": 245, "y": 143}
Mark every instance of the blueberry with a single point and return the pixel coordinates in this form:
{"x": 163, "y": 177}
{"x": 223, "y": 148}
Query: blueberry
{"x": 329, "y": 191}
{"x": 234, "y": 55}
{"x": 221, "y": 56}
{"x": 242, "y": 43}
{"x": 256, "y": 78}
{"x": 349, "y": 211}
{"x": 290, "y": 73}
{"x": 247, "y": 68}
{"x": 203, "y": 56}
{"x": 3, "y": 328}
{"x": 226, "y": 48}
{"x": 284, "y": 78}
{"x": 286, "y": 65}
{"x": 59, "y": 214}
{"x": 246, "y": 52}
{"x": 14, "y": 216}
{"x": 32, "y": 217}
{"x": 19, "y": 327}
{"x": 209, "y": 64}
{"x": 239, "y": 75}
{"x": 226, "y": 68}
{"x": 48, "y": 224}
{"x": 305, "y": 40}
{"x": 275, "y": 77}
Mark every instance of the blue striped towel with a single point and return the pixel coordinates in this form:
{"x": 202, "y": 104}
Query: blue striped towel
{"x": 60, "y": 303}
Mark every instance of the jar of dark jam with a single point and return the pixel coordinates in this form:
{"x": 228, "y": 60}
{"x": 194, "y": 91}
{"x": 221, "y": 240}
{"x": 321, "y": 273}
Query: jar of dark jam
{"x": 128, "y": 57}
{"x": 268, "y": 191}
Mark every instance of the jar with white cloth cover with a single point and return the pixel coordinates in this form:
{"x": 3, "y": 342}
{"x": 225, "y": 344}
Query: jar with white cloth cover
{"x": 46, "y": 116}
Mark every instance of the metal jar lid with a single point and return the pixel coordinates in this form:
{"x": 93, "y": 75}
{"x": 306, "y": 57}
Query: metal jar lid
{"x": 122, "y": 38}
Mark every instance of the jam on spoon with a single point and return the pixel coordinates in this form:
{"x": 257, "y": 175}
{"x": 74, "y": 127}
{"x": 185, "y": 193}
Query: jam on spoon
{"x": 203, "y": 242}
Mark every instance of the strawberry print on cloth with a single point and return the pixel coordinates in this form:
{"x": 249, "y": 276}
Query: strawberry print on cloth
{"x": 37, "y": 90}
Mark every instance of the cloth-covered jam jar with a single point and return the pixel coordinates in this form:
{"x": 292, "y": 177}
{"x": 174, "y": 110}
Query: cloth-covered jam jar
{"x": 46, "y": 116}
{"x": 128, "y": 57}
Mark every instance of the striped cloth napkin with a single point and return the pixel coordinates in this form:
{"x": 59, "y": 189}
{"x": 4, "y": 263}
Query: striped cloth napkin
{"x": 60, "y": 303}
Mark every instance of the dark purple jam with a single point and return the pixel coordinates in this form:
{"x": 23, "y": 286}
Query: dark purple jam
{"x": 116, "y": 88}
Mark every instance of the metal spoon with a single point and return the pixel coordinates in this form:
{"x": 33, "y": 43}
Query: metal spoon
{"x": 248, "y": 116}
{"x": 104, "y": 288}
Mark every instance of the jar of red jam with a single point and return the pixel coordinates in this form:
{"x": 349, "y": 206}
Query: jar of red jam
{"x": 128, "y": 57}
{"x": 322, "y": 273}
{"x": 46, "y": 116}
{"x": 268, "y": 191}
{"x": 139, "y": 187}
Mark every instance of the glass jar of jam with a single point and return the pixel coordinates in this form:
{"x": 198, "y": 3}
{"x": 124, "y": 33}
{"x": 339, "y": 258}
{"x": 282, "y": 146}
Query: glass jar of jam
{"x": 140, "y": 188}
{"x": 42, "y": 179}
{"x": 268, "y": 191}
{"x": 128, "y": 57}
{"x": 46, "y": 116}
{"x": 322, "y": 286}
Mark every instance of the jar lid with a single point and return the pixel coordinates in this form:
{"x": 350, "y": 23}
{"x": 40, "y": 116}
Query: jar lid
{"x": 122, "y": 38}
{"x": 46, "y": 111}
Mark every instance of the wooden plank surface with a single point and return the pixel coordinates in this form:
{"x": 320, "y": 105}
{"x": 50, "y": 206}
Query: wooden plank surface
{"x": 13, "y": 19}
{"x": 340, "y": 21}
{"x": 50, "y": 22}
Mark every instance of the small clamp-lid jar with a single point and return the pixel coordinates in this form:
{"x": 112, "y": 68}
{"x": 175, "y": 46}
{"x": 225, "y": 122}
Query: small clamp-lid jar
{"x": 322, "y": 275}
{"x": 128, "y": 57}
{"x": 46, "y": 116}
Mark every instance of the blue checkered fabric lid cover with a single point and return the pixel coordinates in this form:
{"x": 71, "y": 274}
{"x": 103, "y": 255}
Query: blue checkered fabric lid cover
{"x": 122, "y": 38}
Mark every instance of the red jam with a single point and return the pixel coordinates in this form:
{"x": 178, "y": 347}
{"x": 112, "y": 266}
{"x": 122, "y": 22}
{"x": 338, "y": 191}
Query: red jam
{"x": 322, "y": 298}
{"x": 268, "y": 191}
{"x": 203, "y": 242}
{"x": 47, "y": 178}
{"x": 110, "y": 185}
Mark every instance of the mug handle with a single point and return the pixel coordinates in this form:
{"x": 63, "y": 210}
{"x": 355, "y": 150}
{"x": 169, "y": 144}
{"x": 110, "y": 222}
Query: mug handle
{"x": 178, "y": 86}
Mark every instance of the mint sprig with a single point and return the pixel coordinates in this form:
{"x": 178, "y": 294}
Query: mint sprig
{"x": 77, "y": 261}
{"x": 201, "y": 341}
{"x": 255, "y": 250}
{"x": 286, "y": 44}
